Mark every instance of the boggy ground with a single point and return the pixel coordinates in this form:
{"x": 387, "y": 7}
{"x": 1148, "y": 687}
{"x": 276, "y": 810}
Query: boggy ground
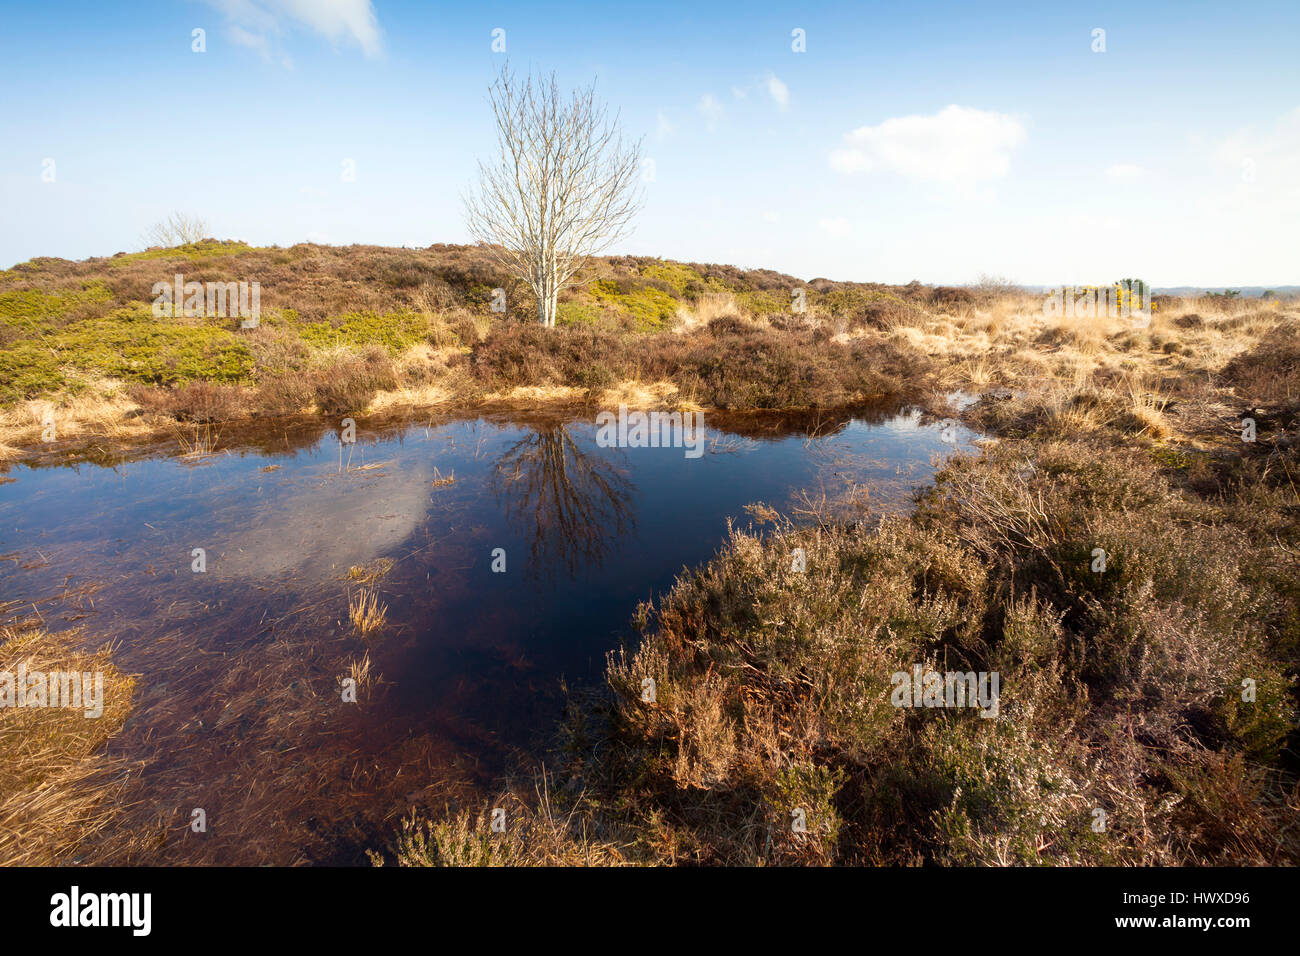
{"x": 1123, "y": 734}
{"x": 1147, "y": 712}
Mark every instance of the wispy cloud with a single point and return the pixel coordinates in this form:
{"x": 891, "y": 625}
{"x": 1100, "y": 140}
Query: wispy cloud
{"x": 776, "y": 89}
{"x": 259, "y": 24}
{"x": 663, "y": 127}
{"x": 711, "y": 110}
{"x": 254, "y": 41}
{"x": 958, "y": 147}
{"x": 769, "y": 83}
{"x": 1267, "y": 161}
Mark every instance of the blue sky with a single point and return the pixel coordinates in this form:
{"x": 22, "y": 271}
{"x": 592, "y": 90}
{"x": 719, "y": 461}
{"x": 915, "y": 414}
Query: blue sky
{"x": 931, "y": 141}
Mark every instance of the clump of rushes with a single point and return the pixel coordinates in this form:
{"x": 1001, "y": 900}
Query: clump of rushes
{"x": 367, "y": 613}
{"x": 361, "y": 674}
{"x": 370, "y": 573}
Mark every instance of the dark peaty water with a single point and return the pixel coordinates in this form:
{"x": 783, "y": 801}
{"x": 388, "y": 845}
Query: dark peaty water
{"x": 239, "y": 665}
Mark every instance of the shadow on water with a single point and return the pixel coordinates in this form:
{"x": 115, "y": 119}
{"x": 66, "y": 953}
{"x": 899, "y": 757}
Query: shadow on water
{"x": 238, "y": 706}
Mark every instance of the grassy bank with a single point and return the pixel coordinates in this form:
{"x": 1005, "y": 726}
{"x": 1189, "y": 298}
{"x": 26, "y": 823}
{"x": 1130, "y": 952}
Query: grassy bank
{"x": 367, "y": 331}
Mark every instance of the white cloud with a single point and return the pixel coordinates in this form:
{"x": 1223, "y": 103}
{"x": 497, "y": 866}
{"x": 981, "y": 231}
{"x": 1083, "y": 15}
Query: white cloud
{"x": 835, "y": 227}
{"x": 254, "y": 41}
{"x": 710, "y": 109}
{"x": 956, "y": 147}
{"x": 1124, "y": 172}
{"x": 254, "y": 22}
{"x": 769, "y": 83}
{"x": 779, "y": 92}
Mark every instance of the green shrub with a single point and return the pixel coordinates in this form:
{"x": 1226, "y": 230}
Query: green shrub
{"x": 130, "y": 344}
{"x": 682, "y": 278}
{"x": 31, "y": 312}
{"x": 651, "y": 309}
{"x": 190, "y": 252}
{"x": 575, "y": 313}
{"x": 394, "y": 331}
{"x": 29, "y": 369}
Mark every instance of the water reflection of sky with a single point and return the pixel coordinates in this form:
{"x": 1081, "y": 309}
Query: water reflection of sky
{"x": 469, "y": 656}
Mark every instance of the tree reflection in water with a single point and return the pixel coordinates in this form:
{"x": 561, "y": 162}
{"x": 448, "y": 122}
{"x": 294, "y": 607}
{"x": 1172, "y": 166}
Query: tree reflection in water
{"x": 570, "y": 504}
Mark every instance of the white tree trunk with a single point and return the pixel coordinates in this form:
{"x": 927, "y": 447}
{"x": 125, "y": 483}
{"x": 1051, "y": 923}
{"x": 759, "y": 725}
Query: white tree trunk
{"x": 547, "y": 289}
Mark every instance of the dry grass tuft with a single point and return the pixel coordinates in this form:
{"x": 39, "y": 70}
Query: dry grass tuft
{"x": 104, "y": 409}
{"x": 539, "y": 831}
{"x": 528, "y": 395}
{"x": 362, "y": 675}
{"x": 200, "y": 443}
{"x": 377, "y": 570}
{"x": 635, "y": 394}
{"x": 57, "y": 788}
{"x": 366, "y": 612}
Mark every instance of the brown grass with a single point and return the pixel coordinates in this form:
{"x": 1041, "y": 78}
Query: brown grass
{"x": 58, "y": 787}
{"x": 366, "y": 612}
{"x": 537, "y": 829}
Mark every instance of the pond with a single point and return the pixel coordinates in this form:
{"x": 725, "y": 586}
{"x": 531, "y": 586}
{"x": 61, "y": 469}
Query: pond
{"x": 509, "y": 554}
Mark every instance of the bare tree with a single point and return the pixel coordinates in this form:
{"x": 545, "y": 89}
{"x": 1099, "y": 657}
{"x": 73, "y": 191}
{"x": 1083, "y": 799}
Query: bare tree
{"x": 995, "y": 285}
{"x": 562, "y": 187}
{"x": 178, "y": 229}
